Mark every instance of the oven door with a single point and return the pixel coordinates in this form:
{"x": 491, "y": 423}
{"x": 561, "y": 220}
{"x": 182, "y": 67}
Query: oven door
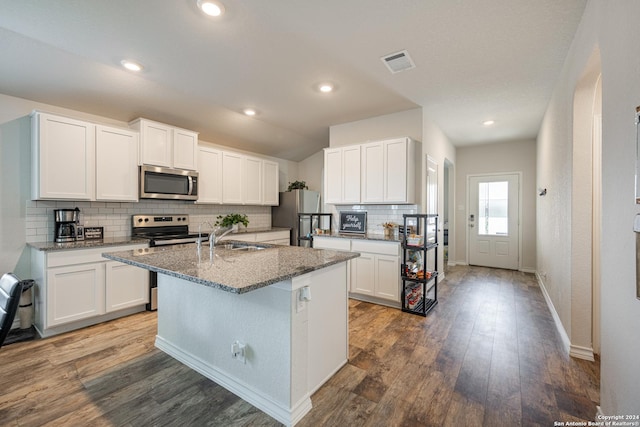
{"x": 165, "y": 183}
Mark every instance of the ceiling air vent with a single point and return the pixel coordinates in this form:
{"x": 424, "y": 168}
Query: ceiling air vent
{"x": 398, "y": 61}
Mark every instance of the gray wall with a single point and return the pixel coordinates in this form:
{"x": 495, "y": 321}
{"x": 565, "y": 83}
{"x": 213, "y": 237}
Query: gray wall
{"x": 515, "y": 156}
{"x": 610, "y": 27}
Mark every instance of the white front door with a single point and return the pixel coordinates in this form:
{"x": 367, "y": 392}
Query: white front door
{"x": 493, "y": 221}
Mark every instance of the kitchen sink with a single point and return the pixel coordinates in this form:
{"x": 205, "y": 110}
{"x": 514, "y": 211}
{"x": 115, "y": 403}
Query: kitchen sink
{"x": 242, "y": 248}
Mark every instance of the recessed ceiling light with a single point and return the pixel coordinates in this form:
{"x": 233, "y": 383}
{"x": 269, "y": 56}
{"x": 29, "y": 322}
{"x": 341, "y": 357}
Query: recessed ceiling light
{"x": 249, "y": 112}
{"x": 130, "y": 65}
{"x": 210, "y": 7}
{"x": 488, "y": 122}
{"x": 325, "y": 87}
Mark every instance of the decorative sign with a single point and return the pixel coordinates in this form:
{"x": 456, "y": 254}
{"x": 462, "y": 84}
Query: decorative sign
{"x": 353, "y": 222}
{"x": 93, "y": 233}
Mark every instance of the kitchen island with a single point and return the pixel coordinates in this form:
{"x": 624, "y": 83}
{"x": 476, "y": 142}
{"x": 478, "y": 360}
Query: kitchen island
{"x": 268, "y": 324}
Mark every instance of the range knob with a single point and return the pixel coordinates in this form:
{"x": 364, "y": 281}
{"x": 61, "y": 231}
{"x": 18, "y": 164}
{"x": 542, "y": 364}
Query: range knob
{"x": 179, "y": 219}
{"x": 146, "y": 220}
{"x": 139, "y": 219}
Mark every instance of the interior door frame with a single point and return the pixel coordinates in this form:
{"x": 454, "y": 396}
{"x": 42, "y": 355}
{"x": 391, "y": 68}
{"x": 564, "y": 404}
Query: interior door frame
{"x": 468, "y": 210}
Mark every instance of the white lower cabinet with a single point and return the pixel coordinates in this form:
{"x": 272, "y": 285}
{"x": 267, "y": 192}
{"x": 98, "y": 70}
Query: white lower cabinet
{"x": 375, "y": 274}
{"x": 125, "y": 286}
{"x": 78, "y": 288}
{"x": 74, "y": 293}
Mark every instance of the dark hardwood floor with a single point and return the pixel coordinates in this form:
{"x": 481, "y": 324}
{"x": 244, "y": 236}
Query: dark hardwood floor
{"x": 487, "y": 355}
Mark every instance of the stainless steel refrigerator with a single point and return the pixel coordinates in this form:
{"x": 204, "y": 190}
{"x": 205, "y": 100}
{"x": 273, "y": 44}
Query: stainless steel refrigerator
{"x": 293, "y": 203}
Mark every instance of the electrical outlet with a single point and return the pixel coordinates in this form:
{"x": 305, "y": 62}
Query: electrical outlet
{"x": 238, "y": 351}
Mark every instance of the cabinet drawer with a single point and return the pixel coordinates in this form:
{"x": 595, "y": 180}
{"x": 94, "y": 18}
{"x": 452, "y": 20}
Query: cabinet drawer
{"x": 382, "y": 248}
{"x": 83, "y": 256}
{"x": 335, "y": 243}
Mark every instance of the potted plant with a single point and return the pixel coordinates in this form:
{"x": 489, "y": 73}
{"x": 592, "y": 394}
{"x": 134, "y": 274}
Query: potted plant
{"x": 232, "y": 220}
{"x": 297, "y": 185}
{"x": 388, "y": 229}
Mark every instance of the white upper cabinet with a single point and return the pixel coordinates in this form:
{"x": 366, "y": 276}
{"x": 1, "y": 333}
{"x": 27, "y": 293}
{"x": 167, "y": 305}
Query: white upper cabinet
{"x": 246, "y": 180}
{"x": 210, "y": 174}
{"x": 372, "y": 190}
{"x": 388, "y": 171}
{"x": 63, "y": 158}
{"x": 342, "y": 174}
{"x": 378, "y": 172}
{"x": 165, "y": 145}
{"x": 270, "y": 183}
{"x": 78, "y": 160}
{"x": 232, "y": 176}
{"x": 400, "y": 170}
{"x": 185, "y": 149}
{"x": 252, "y": 183}
{"x": 116, "y": 164}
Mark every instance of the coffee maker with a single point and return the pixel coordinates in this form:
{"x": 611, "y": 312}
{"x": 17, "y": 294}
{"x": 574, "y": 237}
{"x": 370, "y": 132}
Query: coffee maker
{"x": 66, "y": 220}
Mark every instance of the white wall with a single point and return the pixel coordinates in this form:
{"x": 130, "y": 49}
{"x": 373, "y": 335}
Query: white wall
{"x": 310, "y": 170}
{"x": 504, "y": 157}
{"x": 405, "y": 123}
{"x": 436, "y": 145}
{"x": 612, "y": 27}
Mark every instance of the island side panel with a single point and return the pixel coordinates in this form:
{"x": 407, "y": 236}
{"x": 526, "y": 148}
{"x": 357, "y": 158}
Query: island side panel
{"x": 328, "y": 323}
{"x": 198, "y": 324}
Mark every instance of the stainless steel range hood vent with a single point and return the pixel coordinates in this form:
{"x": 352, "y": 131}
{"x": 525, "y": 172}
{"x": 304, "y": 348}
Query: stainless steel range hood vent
{"x": 399, "y": 61}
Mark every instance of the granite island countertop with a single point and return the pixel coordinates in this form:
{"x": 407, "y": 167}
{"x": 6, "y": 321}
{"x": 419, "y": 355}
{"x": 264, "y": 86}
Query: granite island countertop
{"x": 233, "y": 271}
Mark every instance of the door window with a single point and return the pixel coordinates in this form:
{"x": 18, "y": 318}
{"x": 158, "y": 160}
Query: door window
{"x": 493, "y": 212}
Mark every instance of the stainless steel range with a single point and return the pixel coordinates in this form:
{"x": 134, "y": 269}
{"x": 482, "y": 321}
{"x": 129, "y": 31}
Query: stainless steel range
{"x": 162, "y": 230}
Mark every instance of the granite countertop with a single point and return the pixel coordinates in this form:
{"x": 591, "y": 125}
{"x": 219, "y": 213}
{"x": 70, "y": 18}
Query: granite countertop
{"x": 87, "y": 244}
{"x": 367, "y": 236}
{"x": 116, "y": 241}
{"x": 232, "y": 270}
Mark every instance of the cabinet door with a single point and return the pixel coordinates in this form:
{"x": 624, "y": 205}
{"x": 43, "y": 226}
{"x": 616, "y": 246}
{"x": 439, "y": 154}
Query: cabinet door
{"x": 372, "y": 176}
{"x": 63, "y": 158}
{"x": 252, "y": 184}
{"x": 210, "y": 175}
{"x": 75, "y": 292}
{"x": 232, "y": 178}
{"x": 125, "y": 286}
{"x": 363, "y": 274}
{"x": 116, "y": 164}
{"x": 185, "y": 149}
{"x": 155, "y": 143}
{"x": 351, "y": 174}
{"x": 387, "y": 272}
{"x": 396, "y": 171}
{"x": 333, "y": 175}
{"x": 270, "y": 183}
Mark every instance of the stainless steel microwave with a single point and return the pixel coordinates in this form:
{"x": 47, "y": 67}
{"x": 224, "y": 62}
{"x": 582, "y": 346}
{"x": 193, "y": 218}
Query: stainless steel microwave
{"x": 166, "y": 183}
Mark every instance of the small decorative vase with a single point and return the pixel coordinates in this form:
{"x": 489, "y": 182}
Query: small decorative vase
{"x": 234, "y": 228}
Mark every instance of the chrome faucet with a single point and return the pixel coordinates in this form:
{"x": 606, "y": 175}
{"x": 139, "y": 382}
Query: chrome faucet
{"x": 211, "y": 242}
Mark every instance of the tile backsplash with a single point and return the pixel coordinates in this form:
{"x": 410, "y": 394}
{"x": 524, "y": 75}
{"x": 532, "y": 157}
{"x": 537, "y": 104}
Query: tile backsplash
{"x": 376, "y": 215}
{"x": 115, "y": 217}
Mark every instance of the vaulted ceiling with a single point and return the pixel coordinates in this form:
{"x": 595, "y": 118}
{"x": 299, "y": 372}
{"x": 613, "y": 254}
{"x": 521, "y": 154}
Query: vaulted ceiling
{"x": 475, "y": 61}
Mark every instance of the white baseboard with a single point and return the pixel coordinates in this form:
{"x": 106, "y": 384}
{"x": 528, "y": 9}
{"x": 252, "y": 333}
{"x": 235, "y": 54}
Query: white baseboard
{"x": 374, "y": 300}
{"x": 576, "y": 351}
{"x": 287, "y": 416}
{"x": 579, "y": 352}
{"x": 554, "y": 313}
{"x": 528, "y": 270}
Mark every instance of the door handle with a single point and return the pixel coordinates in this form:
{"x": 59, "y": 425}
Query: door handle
{"x": 471, "y": 225}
